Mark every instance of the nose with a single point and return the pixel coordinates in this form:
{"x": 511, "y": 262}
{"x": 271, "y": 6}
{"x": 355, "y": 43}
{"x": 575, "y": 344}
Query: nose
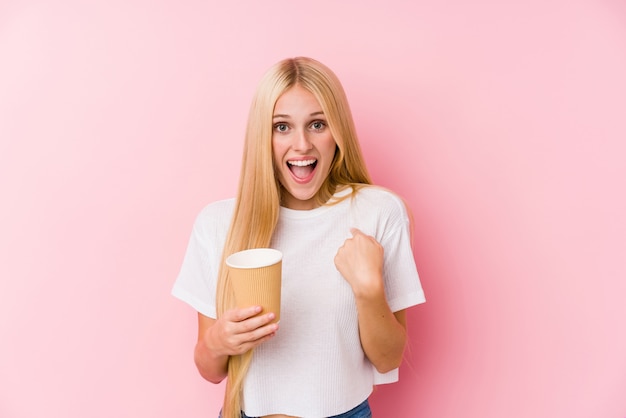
{"x": 301, "y": 141}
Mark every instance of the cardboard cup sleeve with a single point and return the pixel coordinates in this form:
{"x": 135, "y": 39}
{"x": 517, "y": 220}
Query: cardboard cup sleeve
{"x": 256, "y": 278}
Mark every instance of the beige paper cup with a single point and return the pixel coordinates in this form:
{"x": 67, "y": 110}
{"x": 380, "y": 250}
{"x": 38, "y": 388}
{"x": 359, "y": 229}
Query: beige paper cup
{"x": 256, "y": 278}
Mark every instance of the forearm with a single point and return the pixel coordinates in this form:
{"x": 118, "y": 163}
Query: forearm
{"x": 212, "y": 363}
{"x": 383, "y": 334}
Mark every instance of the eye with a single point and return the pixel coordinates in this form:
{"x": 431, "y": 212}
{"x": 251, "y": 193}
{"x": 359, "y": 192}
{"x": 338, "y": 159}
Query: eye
{"x": 281, "y": 127}
{"x": 318, "y": 125}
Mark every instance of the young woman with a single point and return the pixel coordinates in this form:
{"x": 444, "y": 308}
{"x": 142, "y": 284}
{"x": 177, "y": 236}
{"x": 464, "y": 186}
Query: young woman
{"x": 348, "y": 268}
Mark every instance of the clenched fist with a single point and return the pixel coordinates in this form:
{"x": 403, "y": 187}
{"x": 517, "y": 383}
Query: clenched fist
{"x": 360, "y": 262}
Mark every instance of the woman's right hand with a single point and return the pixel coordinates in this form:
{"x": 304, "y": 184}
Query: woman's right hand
{"x": 240, "y": 330}
{"x": 235, "y": 332}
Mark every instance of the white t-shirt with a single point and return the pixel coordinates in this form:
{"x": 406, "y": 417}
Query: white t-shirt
{"x": 314, "y": 366}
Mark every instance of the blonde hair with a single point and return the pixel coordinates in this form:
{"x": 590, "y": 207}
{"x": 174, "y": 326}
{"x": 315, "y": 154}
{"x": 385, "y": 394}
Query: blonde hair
{"x": 259, "y": 195}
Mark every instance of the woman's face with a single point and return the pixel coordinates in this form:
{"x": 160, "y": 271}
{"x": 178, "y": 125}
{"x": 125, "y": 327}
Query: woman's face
{"x": 303, "y": 147}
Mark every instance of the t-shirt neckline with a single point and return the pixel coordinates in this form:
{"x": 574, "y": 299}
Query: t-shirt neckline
{"x": 310, "y": 213}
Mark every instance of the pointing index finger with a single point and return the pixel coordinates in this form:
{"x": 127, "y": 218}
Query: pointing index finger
{"x": 356, "y": 231}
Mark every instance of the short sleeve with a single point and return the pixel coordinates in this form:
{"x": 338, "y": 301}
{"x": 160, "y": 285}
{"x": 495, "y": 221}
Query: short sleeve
{"x": 402, "y": 283}
{"x": 196, "y": 283}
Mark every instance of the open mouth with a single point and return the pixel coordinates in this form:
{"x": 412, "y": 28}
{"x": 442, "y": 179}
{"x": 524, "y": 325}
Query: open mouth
{"x": 302, "y": 169}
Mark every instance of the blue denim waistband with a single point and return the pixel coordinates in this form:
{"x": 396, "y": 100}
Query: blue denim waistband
{"x": 360, "y": 411}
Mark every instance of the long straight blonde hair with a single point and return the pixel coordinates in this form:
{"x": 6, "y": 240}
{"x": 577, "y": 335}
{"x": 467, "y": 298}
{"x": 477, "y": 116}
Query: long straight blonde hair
{"x": 259, "y": 195}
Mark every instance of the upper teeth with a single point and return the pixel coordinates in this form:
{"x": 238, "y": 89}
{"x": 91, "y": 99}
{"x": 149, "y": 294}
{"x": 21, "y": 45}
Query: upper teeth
{"x": 301, "y": 163}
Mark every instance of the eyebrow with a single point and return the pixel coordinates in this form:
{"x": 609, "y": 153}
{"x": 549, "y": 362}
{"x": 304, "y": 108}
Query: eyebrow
{"x": 287, "y": 116}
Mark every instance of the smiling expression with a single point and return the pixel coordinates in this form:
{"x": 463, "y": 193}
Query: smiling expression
{"x": 303, "y": 147}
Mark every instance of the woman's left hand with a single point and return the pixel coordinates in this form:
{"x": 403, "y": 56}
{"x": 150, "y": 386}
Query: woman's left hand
{"x": 360, "y": 262}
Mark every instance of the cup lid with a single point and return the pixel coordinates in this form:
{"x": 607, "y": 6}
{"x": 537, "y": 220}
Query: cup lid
{"x": 254, "y": 258}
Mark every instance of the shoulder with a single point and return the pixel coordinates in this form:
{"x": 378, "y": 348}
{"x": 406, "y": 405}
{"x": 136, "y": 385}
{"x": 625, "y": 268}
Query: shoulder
{"x": 381, "y": 199}
{"x": 216, "y": 214}
{"x": 218, "y": 207}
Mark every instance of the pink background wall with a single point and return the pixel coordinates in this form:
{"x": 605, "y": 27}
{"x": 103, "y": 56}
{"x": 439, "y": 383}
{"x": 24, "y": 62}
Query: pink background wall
{"x": 501, "y": 123}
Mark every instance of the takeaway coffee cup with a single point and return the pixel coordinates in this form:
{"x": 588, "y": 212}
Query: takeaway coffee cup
{"x": 256, "y": 278}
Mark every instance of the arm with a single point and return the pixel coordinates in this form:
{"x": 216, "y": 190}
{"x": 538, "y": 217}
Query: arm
{"x": 236, "y": 332}
{"x": 383, "y": 333}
